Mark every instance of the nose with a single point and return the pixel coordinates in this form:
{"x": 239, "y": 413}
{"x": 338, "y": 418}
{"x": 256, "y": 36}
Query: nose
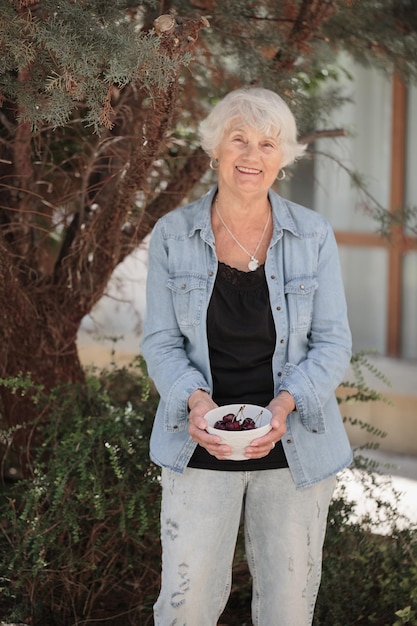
{"x": 252, "y": 149}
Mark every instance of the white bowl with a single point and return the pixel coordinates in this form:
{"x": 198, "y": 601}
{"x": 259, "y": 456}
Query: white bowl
{"x": 239, "y": 439}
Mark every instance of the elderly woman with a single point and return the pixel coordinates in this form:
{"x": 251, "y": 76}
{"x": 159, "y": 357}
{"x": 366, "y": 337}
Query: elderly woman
{"x": 245, "y": 304}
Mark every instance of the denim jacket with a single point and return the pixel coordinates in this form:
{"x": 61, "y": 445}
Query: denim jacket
{"x": 313, "y": 345}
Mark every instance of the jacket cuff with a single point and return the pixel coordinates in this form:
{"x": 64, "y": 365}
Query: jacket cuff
{"x": 176, "y": 407}
{"x": 308, "y": 405}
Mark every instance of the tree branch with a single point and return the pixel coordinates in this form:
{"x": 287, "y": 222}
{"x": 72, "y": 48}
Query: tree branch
{"x": 323, "y": 134}
{"x": 312, "y": 14}
{"x": 97, "y": 248}
{"x": 194, "y": 168}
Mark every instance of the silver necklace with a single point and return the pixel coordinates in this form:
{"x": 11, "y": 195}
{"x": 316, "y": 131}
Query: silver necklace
{"x": 254, "y": 262}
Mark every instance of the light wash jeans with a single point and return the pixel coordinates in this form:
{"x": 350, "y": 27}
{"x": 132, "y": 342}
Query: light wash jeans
{"x": 284, "y": 533}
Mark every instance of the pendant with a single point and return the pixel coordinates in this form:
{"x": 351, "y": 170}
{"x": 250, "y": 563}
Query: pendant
{"x": 253, "y": 264}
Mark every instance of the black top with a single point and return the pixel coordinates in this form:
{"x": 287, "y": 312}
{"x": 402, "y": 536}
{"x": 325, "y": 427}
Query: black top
{"x": 241, "y": 337}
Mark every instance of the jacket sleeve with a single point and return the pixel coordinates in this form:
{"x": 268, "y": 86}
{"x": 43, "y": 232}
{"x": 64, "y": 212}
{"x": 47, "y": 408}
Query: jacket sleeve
{"x": 312, "y": 379}
{"x": 163, "y": 344}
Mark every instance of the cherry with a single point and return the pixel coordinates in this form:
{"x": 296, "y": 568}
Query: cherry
{"x": 232, "y": 422}
{"x": 248, "y": 424}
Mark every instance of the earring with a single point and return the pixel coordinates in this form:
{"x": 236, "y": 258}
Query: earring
{"x": 281, "y": 175}
{"x": 214, "y": 164}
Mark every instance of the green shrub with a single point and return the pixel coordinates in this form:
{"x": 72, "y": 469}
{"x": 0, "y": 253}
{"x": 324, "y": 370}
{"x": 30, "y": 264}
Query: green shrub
{"x": 80, "y": 542}
{"x": 370, "y": 560}
{"x": 80, "y": 539}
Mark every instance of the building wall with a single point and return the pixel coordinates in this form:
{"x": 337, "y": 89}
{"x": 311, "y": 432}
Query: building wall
{"x": 325, "y": 183}
{"x": 366, "y": 152}
{"x": 409, "y": 338}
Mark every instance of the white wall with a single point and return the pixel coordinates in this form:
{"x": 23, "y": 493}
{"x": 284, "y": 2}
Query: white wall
{"x": 367, "y": 150}
{"x": 119, "y": 313}
{"x": 409, "y": 326}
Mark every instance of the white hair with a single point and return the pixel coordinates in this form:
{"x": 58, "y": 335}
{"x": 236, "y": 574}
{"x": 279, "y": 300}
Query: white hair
{"x": 259, "y": 108}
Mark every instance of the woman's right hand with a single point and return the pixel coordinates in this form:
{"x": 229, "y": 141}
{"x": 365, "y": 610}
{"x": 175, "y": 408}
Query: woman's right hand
{"x": 199, "y": 404}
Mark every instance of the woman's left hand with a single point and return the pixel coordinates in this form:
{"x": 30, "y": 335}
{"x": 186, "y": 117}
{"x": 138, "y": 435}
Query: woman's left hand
{"x": 281, "y": 406}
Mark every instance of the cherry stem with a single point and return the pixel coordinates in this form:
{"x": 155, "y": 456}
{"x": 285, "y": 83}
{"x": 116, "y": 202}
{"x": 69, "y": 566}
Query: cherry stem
{"x": 240, "y": 411}
{"x": 255, "y": 419}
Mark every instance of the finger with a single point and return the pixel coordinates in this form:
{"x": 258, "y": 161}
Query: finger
{"x": 221, "y": 452}
{"x": 203, "y": 438}
{"x": 265, "y": 441}
{"x": 260, "y": 447}
{"x": 199, "y": 422}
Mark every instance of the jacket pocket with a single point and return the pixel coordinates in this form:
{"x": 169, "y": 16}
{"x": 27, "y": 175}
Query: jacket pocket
{"x": 188, "y": 291}
{"x": 299, "y": 293}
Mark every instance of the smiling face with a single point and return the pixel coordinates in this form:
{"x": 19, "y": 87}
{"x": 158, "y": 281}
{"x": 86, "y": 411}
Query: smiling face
{"x": 249, "y": 159}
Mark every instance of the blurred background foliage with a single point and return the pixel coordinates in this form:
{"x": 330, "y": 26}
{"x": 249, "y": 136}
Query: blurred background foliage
{"x": 79, "y": 540}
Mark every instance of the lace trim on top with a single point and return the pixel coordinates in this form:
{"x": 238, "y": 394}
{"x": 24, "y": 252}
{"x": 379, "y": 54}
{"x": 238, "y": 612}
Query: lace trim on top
{"x": 239, "y": 278}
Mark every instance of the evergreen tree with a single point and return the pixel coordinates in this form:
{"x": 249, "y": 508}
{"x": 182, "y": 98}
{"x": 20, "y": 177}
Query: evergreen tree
{"x": 99, "y": 106}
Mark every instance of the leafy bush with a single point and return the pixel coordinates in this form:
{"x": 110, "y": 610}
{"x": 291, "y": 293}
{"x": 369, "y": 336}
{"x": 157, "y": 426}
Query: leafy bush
{"x": 370, "y": 558}
{"x": 81, "y": 537}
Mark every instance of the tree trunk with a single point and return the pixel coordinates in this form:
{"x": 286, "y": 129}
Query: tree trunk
{"x": 37, "y": 341}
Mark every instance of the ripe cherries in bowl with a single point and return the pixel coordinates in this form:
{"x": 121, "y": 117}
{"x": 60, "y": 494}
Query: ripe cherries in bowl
{"x": 238, "y": 425}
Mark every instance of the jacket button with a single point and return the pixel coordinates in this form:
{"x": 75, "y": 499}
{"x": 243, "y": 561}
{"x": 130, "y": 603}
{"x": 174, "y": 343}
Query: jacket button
{"x": 289, "y": 440}
{"x": 314, "y": 430}
{"x": 183, "y": 286}
{"x": 282, "y": 340}
{"x": 302, "y": 287}
{"x": 278, "y": 308}
{"x": 273, "y": 276}
{"x": 279, "y": 373}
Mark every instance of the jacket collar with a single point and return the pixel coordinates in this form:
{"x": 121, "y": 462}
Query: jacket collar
{"x": 283, "y": 219}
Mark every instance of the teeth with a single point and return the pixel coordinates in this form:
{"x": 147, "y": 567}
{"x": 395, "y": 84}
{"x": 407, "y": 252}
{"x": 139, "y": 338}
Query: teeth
{"x": 248, "y": 170}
